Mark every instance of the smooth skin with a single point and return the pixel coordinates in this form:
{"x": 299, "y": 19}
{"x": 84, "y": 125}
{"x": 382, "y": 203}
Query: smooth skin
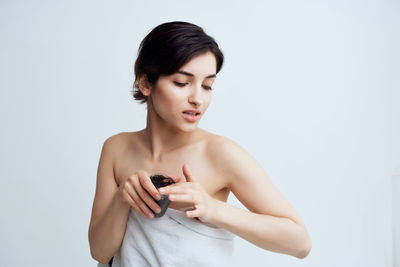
{"x": 206, "y": 168}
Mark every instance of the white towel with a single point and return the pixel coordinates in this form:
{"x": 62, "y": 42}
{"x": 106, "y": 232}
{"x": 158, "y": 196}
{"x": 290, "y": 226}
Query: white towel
{"x": 173, "y": 240}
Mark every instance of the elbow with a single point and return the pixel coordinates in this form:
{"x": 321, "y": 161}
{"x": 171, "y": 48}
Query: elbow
{"x": 305, "y": 249}
{"x": 98, "y": 256}
{"x": 100, "y": 259}
{"x": 104, "y": 262}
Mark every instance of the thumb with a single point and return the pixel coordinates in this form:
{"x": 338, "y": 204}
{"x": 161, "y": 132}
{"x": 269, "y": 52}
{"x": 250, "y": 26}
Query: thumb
{"x": 187, "y": 172}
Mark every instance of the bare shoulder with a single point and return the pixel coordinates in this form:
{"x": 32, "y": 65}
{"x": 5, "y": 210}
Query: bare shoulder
{"x": 106, "y": 184}
{"x": 225, "y": 151}
{"x": 120, "y": 140}
{"x": 248, "y": 181}
{"x": 229, "y": 158}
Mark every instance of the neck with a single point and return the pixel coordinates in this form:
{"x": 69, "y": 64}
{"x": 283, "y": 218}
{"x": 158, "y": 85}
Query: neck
{"x": 161, "y": 138}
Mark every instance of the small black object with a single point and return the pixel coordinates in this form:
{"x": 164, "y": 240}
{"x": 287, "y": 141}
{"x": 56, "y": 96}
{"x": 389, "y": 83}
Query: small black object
{"x": 158, "y": 181}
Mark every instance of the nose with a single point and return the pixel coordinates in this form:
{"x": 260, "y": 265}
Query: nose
{"x": 196, "y": 96}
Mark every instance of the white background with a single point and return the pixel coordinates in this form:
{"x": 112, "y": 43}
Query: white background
{"x": 309, "y": 88}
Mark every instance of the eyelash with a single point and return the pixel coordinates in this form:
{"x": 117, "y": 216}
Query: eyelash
{"x": 183, "y": 84}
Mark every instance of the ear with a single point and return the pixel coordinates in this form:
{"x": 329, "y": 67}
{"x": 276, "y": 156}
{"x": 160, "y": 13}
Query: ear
{"x": 144, "y": 85}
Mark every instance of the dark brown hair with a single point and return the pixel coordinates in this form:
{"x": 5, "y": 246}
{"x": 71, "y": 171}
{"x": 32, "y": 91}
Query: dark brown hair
{"x": 168, "y": 47}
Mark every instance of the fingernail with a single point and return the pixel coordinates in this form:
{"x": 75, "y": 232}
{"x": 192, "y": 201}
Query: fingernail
{"x": 162, "y": 190}
{"x": 150, "y": 215}
{"x": 158, "y": 197}
{"x": 158, "y": 210}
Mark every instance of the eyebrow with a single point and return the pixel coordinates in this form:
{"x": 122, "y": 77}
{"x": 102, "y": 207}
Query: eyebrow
{"x": 191, "y": 75}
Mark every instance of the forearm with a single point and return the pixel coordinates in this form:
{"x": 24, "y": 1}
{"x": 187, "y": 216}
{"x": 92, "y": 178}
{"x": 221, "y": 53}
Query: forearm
{"x": 265, "y": 231}
{"x": 107, "y": 233}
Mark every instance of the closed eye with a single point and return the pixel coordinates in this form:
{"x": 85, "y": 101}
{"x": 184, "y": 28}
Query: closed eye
{"x": 180, "y": 84}
{"x": 183, "y": 84}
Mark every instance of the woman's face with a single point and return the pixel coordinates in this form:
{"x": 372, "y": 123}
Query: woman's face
{"x": 187, "y": 89}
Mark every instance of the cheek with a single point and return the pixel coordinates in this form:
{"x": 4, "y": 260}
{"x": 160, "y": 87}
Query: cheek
{"x": 207, "y": 99}
{"x": 170, "y": 100}
{"x": 172, "y": 96}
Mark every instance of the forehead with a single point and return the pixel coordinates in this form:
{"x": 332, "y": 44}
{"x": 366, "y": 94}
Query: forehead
{"x": 201, "y": 66}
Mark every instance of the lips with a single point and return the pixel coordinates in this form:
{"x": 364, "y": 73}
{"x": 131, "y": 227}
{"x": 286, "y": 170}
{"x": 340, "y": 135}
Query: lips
{"x": 190, "y": 117}
{"x": 192, "y": 112}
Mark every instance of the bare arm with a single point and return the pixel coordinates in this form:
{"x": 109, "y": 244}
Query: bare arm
{"x": 271, "y": 222}
{"x": 109, "y": 212}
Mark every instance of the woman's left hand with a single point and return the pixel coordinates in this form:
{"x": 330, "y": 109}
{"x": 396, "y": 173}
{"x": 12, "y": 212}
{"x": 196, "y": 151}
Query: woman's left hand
{"x": 192, "y": 192}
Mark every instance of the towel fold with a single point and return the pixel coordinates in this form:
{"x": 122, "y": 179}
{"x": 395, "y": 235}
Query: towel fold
{"x": 173, "y": 240}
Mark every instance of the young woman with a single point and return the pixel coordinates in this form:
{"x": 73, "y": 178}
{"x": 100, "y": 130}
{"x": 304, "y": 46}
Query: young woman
{"x": 175, "y": 70}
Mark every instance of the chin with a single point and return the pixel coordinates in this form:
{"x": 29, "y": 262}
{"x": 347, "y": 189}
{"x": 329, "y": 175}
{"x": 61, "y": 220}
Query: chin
{"x": 189, "y": 128}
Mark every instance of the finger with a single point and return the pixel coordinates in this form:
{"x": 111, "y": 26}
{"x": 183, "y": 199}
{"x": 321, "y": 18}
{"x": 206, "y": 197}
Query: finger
{"x": 176, "y": 188}
{"x": 133, "y": 187}
{"x": 130, "y": 189}
{"x": 132, "y": 203}
{"x": 146, "y": 183}
{"x": 187, "y": 172}
{"x": 181, "y": 198}
{"x": 193, "y": 213}
{"x": 148, "y": 201}
{"x": 126, "y": 196}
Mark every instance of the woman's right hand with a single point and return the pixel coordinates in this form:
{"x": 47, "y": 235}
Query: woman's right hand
{"x": 137, "y": 190}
